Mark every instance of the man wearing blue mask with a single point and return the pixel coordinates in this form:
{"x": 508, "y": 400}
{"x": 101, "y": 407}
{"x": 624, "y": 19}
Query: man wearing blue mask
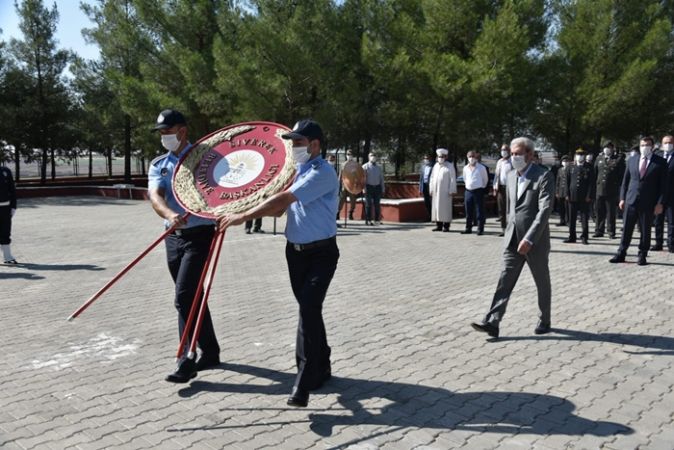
{"x": 311, "y": 250}
{"x": 187, "y": 247}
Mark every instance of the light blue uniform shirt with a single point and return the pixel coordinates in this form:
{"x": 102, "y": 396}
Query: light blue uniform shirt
{"x": 160, "y": 176}
{"x": 312, "y": 217}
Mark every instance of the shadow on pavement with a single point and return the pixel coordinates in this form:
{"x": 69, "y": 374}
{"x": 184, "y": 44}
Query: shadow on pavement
{"x": 663, "y": 343}
{"x": 64, "y": 267}
{"x": 403, "y": 405}
{"x": 25, "y": 276}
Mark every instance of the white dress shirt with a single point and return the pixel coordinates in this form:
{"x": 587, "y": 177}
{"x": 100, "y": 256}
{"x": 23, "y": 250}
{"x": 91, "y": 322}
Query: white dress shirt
{"x": 476, "y": 178}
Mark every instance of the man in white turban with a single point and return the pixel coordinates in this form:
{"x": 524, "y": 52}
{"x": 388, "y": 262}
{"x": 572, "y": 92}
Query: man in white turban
{"x": 442, "y": 187}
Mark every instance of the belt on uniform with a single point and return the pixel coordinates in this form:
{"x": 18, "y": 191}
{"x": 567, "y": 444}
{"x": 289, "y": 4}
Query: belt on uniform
{"x": 192, "y": 231}
{"x": 310, "y": 245}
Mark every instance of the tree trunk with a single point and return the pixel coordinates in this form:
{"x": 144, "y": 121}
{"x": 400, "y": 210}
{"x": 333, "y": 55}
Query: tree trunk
{"x": 17, "y": 163}
{"x": 91, "y": 164}
{"x": 127, "y": 148}
{"x": 43, "y": 166}
{"x": 110, "y": 163}
{"x": 53, "y": 164}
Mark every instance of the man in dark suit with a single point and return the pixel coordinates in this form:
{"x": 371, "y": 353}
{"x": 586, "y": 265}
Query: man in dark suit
{"x": 527, "y": 236}
{"x": 608, "y": 169}
{"x": 642, "y": 194}
{"x": 424, "y": 179}
{"x": 580, "y": 183}
{"x": 668, "y": 213}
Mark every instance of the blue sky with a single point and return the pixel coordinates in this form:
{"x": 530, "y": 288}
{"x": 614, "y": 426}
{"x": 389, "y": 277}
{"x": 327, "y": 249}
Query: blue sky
{"x": 68, "y": 32}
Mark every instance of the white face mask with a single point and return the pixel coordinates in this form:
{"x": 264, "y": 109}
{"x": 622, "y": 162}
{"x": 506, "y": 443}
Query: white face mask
{"x": 565, "y": 164}
{"x": 472, "y": 161}
{"x": 349, "y": 158}
{"x": 332, "y": 163}
{"x": 519, "y": 163}
{"x": 667, "y": 148}
{"x": 170, "y": 142}
{"x": 580, "y": 159}
{"x": 373, "y": 159}
{"x": 645, "y": 150}
{"x": 301, "y": 154}
{"x": 589, "y": 158}
{"x": 504, "y": 153}
{"x": 608, "y": 151}
{"x": 441, "y": 159}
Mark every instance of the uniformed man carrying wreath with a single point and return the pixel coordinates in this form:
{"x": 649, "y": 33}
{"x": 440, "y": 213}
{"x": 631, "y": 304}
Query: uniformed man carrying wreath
{"x": 311, "y": 250}
{"x": 187, "y": 247}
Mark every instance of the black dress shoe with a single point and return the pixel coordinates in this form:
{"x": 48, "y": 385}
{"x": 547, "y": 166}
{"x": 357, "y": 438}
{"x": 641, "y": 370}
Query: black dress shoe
{"x": 598, "y": 235}
{"x": 656, "y": 248}
{"x": 185, "y": 371}
{"x": 445, "y": 230}
{"x": 642, "y": 261}
{"x": 249, "y": 231}
{"x": 437, "y": 229}
{"x": 466, "y": 231}
{"x": 585, "y": 242}
{"x": 561, "y": 224}
{"x": 611, "y": 236}
{"x": 258, "y": 230}
{"x": 501, "y": 234}
{"x": 486, "y": 327}
{"x": 298, "y": 397}
{"x": 569, "y": 241}
{"x": 206, "y": 362}
{"x": 617, "y": 259}
{"x": 480, "y": 233}
{"x": 542, "y": 328}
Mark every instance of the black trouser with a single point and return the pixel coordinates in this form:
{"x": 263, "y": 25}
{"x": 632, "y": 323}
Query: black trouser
{"x": 583, "y": 208}
{"x": 631, "y": 216}
{"x": 659, "y": 222}
{"x": 607, "y": 206}
{"x": 428, "y": 201}
{"x": 5, "y": 225}
{"x": 310, "y": 274}
{"x": 502, "y": 205}
{"x": 258, "y": 224}
{"x": 186, "y": 256}
{"x": 474, "y": 200}
{"x": 373, "y": 198}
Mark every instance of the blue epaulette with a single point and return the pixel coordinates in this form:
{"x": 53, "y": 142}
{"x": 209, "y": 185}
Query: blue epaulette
{"x": 158, "y": 159}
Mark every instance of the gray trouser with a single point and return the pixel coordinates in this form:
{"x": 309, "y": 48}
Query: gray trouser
{"x": 513, "y": 263}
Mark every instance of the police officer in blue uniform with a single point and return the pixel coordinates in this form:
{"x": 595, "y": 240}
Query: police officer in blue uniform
{"x": 7, "y": 210}
{"x": 187, "y": 247}
{"x": 311, "y": 250}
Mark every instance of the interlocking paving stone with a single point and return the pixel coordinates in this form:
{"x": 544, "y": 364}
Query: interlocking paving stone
{"x": 408, "y": 371}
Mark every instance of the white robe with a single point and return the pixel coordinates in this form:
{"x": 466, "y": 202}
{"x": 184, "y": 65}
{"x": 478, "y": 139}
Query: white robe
{"x": 441, "y": 187}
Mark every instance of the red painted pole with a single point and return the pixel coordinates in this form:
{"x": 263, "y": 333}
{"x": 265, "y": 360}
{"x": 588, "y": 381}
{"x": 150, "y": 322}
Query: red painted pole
{"x": 207, "y": 290}
{"x": 197, "y": 299}
{"x": 107, "y": 286}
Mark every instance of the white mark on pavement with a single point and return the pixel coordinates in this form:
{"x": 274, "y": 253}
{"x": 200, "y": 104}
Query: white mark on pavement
{"x": 104, "y": 347}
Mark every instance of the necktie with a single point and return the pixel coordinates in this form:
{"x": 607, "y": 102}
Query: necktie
{"x": 642, "y": 169}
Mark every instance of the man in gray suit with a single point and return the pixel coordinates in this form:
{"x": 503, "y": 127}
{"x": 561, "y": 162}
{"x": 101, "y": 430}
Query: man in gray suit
{"x": 527, "y": 236}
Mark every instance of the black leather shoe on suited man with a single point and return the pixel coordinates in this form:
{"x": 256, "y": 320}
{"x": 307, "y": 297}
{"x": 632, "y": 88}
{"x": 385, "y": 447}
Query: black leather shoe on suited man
{"x": 186, "y": 370}
{"x": 642, "y": 261}
{"x": 617, "y": 259}
{"x": 542, "y": 328}
{"x": 298, "y": 397}
{"x": 491, "y": 328}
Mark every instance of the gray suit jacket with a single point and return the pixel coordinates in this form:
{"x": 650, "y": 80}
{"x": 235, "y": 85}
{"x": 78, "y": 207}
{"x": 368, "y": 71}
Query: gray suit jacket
{"x": 528, "y": 212}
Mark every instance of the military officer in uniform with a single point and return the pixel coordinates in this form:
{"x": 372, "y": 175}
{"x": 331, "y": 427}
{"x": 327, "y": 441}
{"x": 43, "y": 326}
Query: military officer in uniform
{"x": 580, "y": 185}
{"x": 187, "y": 247}
{"x": 562, "y": 192}
{"x": 311, "y": 250}
{"x": 7, "y": 210}
{"x": 608, "y": 171}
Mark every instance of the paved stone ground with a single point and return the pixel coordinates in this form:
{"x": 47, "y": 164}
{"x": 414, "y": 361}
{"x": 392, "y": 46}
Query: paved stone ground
{"x": 408, "y": 370}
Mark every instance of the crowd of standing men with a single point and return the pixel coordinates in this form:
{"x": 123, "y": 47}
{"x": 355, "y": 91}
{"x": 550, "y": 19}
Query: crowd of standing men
{"x": 640, "y": 186}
